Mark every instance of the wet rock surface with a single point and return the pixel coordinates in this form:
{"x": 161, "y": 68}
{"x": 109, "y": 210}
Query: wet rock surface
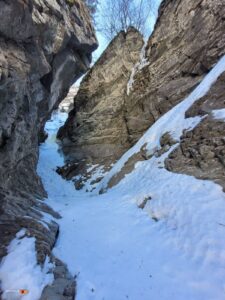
{"x": 46, "y": 46}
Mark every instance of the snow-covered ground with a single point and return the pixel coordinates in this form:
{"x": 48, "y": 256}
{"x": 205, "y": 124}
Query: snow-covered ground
{"x": 173, "y": 249}
{"x": 19, "y": 272}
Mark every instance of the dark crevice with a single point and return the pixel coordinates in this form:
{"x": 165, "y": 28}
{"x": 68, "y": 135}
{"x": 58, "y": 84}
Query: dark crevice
{"x": 188, "y": 74}
{"x": 47, "y": 80}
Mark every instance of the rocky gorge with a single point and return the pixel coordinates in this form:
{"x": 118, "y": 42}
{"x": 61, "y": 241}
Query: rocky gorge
{"x": 129, "y": 90}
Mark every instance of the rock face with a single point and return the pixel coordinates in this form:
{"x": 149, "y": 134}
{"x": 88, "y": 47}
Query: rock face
{"x": 188, "y": 39}
{"x": 46, "y": 46}
{"x": 199, "y": 152}
{"x": 202, "y": 151}
{"x": 96, "y": 127}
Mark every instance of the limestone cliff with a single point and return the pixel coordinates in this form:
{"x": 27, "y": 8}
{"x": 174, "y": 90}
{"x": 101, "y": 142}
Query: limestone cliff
{"x": 96, "y": 127}
{"x": 188, "y": 39}
{"x": 44, "y": 47}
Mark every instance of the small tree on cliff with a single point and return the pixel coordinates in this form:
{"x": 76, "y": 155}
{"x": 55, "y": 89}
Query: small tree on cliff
{"x": 117, "y": 15}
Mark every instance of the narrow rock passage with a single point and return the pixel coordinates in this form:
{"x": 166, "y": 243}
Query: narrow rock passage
{"x": 115, "y": 250}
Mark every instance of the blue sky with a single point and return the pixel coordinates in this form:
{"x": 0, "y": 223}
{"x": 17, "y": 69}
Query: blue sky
{"x": 103, "y": 43}
{"x": 150, "y": 26}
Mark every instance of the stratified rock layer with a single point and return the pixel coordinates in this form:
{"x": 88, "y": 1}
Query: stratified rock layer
{"x": 96, "y": 127}
{"x": 44, "y": 47}
{"x": 188, "y": 40}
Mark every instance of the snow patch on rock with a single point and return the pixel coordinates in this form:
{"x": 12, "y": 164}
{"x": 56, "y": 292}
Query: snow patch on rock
{"x": 219, "y": 114}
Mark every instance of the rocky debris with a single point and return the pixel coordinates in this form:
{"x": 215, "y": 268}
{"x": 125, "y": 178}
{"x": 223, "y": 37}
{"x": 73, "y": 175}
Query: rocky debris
{"x": 201, "y": 152}
{"x": 63, "y": 287}
{"x": 166, "y": 142}
{"x": 144, "y": 202}
{"x": 81, "y": 172}
{"x": 44, "y": 47}
{"x": 95, "y": 129}
{"x": 67, "y": 104}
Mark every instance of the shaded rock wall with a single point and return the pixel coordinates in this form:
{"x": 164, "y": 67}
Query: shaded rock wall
{"x": 44, "y": 47}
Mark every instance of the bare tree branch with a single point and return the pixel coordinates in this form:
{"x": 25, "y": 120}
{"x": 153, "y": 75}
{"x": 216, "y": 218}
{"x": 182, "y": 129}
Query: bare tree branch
{"x": 117, "y": 15}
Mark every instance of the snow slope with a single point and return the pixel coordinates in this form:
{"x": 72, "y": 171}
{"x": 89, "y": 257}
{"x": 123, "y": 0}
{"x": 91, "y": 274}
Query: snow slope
{"x": 19, "y": 270}
{"x": 173, "y": 249}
